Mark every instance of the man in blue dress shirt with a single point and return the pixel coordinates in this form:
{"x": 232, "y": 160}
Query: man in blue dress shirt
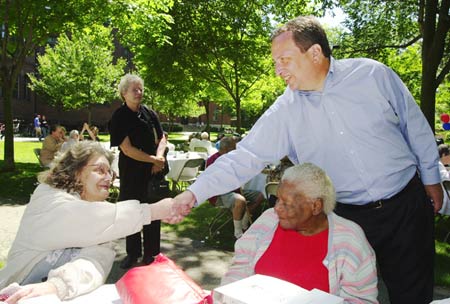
{"x": 355, "y": 119}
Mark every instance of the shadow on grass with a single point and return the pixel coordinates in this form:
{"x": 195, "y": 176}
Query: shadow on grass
{"x": 196, "y": 227}
{"x": 18, "y": 185}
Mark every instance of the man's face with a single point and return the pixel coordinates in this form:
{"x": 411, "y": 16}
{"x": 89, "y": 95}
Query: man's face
{"x": 58, "y": 133}
{"x": 291, "y": 64}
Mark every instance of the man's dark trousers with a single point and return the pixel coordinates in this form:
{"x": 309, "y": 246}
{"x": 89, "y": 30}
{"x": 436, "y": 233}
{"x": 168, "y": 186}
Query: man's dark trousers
{"x": 401, "y": 231}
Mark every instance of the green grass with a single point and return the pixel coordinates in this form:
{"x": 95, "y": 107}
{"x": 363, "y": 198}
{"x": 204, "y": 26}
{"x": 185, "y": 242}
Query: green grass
{"x": 196, "y": 226}
{"x": 18, "y": 185}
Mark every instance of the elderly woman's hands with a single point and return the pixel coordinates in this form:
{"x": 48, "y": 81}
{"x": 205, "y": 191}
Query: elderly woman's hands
{"x": 30, "y": 291}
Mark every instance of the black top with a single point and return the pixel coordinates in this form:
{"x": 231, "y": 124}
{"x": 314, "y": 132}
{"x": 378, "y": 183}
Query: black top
{"x": 141, "y": 128}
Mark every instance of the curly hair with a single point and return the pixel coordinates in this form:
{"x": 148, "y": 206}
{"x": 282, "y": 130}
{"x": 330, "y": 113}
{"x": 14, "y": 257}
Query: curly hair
{"x": 125, "y": 82}
{"x": 313, "y": 182}
{"x": 67, "y": 166}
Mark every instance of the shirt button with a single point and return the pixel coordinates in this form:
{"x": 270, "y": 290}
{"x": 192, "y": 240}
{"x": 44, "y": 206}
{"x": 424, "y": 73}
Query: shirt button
{"x": 342, "y": 132}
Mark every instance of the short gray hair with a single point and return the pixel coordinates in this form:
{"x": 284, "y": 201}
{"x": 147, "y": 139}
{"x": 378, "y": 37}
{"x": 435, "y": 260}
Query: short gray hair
{"x": 125, "y": 82}
{"x": 313, "y": 182}
{"x": 204, "y": 135}
{"x": 74, "y": 134}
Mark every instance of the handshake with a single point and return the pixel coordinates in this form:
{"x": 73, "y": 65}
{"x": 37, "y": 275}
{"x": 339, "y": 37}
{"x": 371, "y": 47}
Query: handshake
{"x": 173, "y": 210}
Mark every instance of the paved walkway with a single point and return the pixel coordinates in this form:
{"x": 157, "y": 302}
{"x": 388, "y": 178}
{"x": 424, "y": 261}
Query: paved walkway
{"x": 204, "y": 265}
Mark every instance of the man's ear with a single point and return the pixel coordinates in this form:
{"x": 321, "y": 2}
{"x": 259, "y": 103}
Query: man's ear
{"x": 317, "y": 206}
{"x": 316, "y": 51}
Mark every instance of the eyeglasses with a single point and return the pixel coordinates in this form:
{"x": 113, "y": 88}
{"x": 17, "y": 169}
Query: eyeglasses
{"x": 103, "y": 170}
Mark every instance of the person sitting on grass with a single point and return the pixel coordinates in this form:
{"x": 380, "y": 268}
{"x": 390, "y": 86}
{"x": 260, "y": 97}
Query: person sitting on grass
{"x": 303, "y": 242}
{"x": 63, "y": 244}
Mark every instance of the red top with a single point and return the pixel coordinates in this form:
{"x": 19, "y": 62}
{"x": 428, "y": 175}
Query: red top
{"x": 296, "y": 258}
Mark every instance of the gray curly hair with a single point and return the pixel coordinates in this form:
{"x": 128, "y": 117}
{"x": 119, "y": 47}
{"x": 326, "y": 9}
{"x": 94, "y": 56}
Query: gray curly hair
{"x": 313, "y": 182}
{"x": 125, "y": 82}
{"x": 66, "y": 166}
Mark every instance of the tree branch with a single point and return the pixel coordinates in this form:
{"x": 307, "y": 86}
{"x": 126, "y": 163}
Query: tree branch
{"x": 445, "y": 70}
{"x": 379, "y": 47}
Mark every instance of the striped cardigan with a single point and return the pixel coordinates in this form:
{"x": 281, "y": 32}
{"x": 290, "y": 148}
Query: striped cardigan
{"x": 350, "y": 260}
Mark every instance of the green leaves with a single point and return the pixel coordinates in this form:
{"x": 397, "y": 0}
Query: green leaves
{"x": 79, "y": 71}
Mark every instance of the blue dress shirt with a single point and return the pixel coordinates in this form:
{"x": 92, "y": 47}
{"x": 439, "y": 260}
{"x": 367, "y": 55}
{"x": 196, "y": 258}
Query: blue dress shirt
{"x": 364, "y": 129}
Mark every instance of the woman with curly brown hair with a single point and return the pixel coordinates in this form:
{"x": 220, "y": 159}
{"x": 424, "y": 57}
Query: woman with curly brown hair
{"x": 63, "y": 244}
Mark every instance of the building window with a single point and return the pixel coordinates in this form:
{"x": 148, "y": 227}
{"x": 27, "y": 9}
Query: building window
{"x": 216, "y": 114}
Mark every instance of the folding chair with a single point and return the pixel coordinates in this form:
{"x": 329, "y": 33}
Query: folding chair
{"x": 221, "y": 219}
{"x": 271, "y": 193}
{"x": 37, "y": 152}
{"x": 186, "y": 176}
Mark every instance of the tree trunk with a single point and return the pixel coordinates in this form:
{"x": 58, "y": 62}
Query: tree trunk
{"x": 428, "y": 96}
{"x": 206, "y": 105}
{"x": 238, "y": 114}
{"x": 7, "y": 88}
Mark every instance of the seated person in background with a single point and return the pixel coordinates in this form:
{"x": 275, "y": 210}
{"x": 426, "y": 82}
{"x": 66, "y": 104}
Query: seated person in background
{"x": 444, "y": 161}
{"x": 235, "y": 200}
{"x": 219, "y": 137}
{"x": 63, "y": 244}
{"x": 169, "y": 145}
{"x": 303, "y": 242}
{"x": 51, "y": 144}
{"x": 203, "y": 143}
{"x": 74, "y": 138}
{"x": 92, "y": 131}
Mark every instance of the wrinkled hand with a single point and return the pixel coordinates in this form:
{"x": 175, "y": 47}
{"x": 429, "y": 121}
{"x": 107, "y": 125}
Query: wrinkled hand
{"x": 30, "y": 291}
{"x": 436, "y": 194}
{"x": 182, "y": 205}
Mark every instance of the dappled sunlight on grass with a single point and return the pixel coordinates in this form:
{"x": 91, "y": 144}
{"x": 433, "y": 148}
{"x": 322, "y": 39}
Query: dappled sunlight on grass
{"x": 196, "y": 227}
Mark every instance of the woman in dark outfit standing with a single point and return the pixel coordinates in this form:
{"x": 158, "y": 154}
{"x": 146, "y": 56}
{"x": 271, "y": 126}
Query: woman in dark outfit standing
{"x": 137, "y": 132}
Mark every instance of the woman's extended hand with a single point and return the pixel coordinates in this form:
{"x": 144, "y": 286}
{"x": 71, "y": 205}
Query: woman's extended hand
{"x": 31, "y": 291}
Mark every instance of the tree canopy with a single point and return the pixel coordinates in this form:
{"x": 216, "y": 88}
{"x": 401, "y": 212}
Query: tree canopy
{"x": 79, "y": 71}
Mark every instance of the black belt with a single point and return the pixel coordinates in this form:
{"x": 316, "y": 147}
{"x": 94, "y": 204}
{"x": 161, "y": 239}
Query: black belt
{"x": 380, "y": 203}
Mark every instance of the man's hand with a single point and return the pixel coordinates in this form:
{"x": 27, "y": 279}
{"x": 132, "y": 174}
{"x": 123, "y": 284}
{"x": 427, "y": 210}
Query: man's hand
{"x": 31, "y": 291}
{"x": 182, "y": 205}
{"x": 436, "y": 194}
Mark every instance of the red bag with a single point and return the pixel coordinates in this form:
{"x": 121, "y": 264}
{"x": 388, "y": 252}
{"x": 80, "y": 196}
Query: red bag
{"x": 161, "y": 282}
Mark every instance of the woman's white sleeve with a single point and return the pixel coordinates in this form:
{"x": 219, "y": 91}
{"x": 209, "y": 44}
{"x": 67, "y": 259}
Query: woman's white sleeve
{"x": 85, "y": 273}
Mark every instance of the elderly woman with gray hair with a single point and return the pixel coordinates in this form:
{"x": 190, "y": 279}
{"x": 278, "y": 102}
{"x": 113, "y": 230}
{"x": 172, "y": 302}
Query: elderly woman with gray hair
{"x": 63, "y": 245}
{"x": 302, "y": 241}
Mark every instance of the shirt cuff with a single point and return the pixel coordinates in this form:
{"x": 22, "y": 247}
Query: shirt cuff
{"x": 430, "y": 177}
{"x": 61, "y": 287}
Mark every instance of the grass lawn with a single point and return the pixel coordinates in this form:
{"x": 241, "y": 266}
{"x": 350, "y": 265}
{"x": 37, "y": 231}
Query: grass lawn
{"x": 17, "y": 186}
